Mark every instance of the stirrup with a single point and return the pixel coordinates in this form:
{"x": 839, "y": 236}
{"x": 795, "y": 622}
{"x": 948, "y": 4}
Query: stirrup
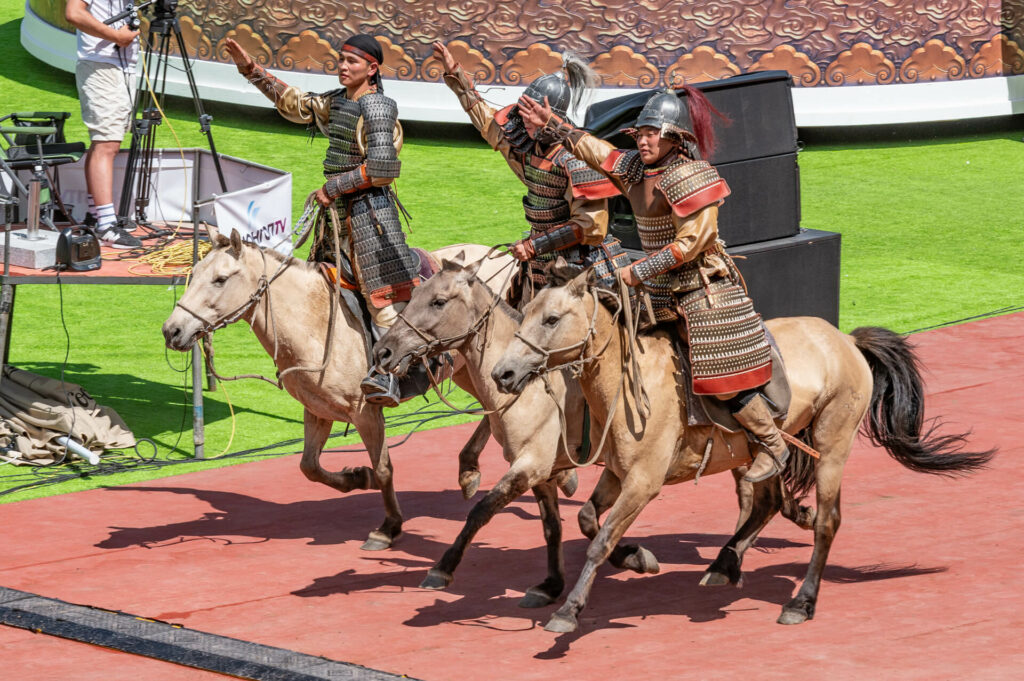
{"x": 380, "y": 389}
{"x": 777, "y": 465}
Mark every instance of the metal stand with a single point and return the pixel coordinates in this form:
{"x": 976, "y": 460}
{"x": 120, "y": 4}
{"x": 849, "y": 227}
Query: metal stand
{"x": 139, "y": 169}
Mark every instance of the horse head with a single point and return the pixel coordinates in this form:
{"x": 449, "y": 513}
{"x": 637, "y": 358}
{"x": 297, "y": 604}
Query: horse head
{"x": 440, "y": 316}
{"x": 221, "y": 284}
{"x": 557, "y": 326}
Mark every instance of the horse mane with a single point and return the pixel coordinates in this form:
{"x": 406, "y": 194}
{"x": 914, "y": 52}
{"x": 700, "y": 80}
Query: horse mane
{"x": 512, "y": 313}
{"x": 274, "y": 254}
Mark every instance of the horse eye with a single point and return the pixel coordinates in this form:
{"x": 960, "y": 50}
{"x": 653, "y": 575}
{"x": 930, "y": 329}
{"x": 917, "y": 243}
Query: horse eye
{"x": 439, "y": 302}
{"x": 219, "y": 280}
{"x": 551, "y": 320}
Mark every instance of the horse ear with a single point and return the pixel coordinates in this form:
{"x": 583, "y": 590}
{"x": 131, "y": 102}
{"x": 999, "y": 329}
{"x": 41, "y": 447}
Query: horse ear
{"x": 216, "y": 238}
{"x": 236, "y": 243}
{"x": 474, "y": 267}
{"x": 455, "y": 264}
{"x": 580, "y": 283}
{"x": 591, "y": 276}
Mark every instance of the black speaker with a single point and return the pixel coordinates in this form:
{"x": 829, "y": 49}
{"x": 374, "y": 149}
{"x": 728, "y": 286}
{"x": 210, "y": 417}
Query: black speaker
{"x": 795, "y": 276}
{"x": 759, "y": 105}
{"x": 765, "y": 199}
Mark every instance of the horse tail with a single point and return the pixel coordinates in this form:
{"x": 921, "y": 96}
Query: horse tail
{"x": 896, "y": 415}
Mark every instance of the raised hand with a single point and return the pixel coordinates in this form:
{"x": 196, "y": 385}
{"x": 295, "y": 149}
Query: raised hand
{"x": 533, "y": 112}
{"x": 442, "y": 52}
{"x": 237, "y": 54}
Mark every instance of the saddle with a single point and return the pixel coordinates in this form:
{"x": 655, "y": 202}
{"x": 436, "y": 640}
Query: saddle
{"x": 416, "y": 382}
{"x": 705, "y": 410}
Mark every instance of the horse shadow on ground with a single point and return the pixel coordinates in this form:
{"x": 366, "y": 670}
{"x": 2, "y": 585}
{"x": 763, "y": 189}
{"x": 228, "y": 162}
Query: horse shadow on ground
{"x": 322, "y": 521}
{"x": 677, "y": 593}
{"x": 489, "y": 571}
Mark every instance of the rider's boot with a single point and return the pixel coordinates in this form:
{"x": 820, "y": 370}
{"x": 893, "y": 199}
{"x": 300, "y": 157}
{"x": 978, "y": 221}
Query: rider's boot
{"x": 756, "y": 417}
{"x": 380, "y": 388}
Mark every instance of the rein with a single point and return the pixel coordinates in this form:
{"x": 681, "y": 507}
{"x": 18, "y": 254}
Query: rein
{"x": 430, "y": 344}
{"x": 261, "y": 290}
{"x": 576, "y": 366}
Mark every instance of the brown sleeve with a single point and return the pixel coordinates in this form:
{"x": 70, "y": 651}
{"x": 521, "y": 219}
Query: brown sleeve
{"x": 481, "y": 115}
{"x": 291, "y": 102}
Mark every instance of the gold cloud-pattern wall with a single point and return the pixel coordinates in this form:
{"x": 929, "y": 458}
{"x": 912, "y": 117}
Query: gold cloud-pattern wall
{"x": 631, "y": 43}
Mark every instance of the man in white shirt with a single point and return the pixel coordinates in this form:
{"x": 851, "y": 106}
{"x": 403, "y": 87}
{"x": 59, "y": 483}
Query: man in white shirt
{"x": 105, "y": 75}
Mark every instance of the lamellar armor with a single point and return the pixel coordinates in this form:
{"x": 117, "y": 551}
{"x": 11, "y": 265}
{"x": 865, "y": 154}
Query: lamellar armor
{"x": 386, "y": 267}
{"x": 728, "y": 348}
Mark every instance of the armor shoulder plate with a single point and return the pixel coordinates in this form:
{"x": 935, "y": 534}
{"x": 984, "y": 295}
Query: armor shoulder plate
{"x": 380, "y": 115}
{"x": 586, "y": 182}
{"x": 691, "y": 186}
{"x": 625, "y": 165}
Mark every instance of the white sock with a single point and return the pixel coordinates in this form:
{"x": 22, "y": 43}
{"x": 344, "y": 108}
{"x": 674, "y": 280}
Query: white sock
{"x": 105, "y": 217}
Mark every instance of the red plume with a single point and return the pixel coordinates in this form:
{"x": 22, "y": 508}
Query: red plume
{"x": 701, "y": 110}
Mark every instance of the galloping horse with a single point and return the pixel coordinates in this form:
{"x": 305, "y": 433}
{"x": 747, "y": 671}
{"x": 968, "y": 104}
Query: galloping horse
{"x": 836, "y": 379}
{"x": 290, "y": 306}
{"x": 455, "y": 310}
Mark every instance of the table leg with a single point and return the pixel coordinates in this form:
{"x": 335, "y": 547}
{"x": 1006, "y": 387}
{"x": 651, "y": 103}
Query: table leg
{"x": 7, "y": 291}
{"x": 198, "y": 439}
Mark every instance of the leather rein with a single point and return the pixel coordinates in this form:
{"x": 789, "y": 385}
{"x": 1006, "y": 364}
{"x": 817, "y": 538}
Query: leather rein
{"x": 576, "y": 366}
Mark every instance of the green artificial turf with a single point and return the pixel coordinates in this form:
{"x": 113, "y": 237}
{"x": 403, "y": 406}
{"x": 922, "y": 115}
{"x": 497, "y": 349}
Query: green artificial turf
{"x": 931, "y": 234}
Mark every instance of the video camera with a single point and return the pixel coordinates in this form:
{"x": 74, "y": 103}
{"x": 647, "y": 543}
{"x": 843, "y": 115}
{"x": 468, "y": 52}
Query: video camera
{"x": 164, "y": 9}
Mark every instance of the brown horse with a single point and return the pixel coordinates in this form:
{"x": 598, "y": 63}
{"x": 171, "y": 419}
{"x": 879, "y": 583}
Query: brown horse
{"x": 289, "y": 305}
{"x": 456, "y": 311}
{"x": 836, "y": 379}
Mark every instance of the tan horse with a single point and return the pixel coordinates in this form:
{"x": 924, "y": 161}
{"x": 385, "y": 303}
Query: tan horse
{"x": 455, "y": 311}
{"x": 836, "y": 379}
{"x": 288, "y": 304}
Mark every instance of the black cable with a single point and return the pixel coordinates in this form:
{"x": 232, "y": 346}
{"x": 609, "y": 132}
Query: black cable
{"x": 63, "y": 369}
{"x": 113, "y": 463}
{"x": 983, "y": 315}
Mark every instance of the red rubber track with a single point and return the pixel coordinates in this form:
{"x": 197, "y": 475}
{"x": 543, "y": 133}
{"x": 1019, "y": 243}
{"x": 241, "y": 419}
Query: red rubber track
{"x": 923, "y": 579}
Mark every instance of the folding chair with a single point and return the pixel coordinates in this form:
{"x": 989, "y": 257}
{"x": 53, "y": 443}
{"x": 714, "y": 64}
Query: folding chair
{"x": 35, "y": 142}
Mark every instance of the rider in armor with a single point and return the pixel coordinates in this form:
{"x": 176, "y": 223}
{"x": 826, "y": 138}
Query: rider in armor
{"x": 674, "y": 195}
{"x": 566, "y": 202}
{"x": 358, "y": 177}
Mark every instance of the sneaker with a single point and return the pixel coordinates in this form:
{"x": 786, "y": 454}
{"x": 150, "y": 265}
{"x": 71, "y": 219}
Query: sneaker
{"x": 116, "y": 238}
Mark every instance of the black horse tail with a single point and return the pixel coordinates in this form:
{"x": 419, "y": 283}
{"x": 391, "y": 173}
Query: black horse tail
{"x": 896, "y": 416}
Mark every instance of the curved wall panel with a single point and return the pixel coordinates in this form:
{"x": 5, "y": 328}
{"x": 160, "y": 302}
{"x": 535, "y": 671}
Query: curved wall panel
{"x": 823, "y": 44}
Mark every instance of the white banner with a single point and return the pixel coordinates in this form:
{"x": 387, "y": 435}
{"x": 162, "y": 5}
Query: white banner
{"x": 262, "y": 214}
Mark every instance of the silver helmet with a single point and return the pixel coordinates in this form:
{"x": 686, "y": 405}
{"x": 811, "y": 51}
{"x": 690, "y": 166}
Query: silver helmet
{"x": 667, "y": 111}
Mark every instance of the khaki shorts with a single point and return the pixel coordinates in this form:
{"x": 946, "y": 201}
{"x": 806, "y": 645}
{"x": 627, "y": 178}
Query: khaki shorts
{"x": 107, "y": 94}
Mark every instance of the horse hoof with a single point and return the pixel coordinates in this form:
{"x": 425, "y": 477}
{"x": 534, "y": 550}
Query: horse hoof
{"x": 469, "y": 481}
{"x": 436, "y": 580}
{"x": 535, "y": 598}
{"x": 377, "y": 541}
{"x": 568, "y": 481}
{"x": 560, "y": 625}
{"x": 792, "y": 616}
{"x": 642, "y": 561}
{"x": 714, "y": 579}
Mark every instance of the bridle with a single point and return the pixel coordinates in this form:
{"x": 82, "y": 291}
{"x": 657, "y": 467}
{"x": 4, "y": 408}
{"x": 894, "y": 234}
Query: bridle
{"x": 242, "y": 310}
{"x": 262, "y": 287}
{"x": 576, "y": 366}
{"x": 433, "y": 345}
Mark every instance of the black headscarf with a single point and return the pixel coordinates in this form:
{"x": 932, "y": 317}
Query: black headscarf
{"x": 367, "y": 47}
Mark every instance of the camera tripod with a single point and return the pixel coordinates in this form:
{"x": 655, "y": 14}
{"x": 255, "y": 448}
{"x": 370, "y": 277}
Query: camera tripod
{"x": 139, "y": 169}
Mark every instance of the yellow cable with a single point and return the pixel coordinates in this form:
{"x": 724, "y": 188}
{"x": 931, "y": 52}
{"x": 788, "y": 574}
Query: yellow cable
{"x": 172, "y": 260}
{"x": 231, "y": 408}
{"x": 181, "y": 147}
